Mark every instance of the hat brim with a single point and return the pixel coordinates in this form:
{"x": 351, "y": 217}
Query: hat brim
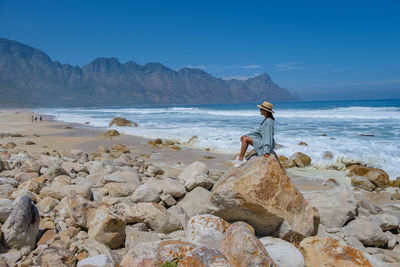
{"x": 269, "y": 110}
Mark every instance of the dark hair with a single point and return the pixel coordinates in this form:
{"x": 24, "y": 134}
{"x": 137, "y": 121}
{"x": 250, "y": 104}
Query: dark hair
{"x": 270, "y": 115}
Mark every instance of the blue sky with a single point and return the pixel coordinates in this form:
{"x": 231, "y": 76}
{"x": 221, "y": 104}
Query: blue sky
{"x": 323, "y": 50}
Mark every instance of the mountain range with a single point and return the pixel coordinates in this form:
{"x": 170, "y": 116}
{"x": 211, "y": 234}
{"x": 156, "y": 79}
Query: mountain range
{"x": 28, "y": 77}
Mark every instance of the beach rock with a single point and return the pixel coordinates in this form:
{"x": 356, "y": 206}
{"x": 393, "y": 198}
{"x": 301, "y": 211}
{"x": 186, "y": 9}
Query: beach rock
{"x": 30, "y": 165}
{"x": 362, "y": 182}
{"x": 378, "y": 177}
{"x": 154, "y": 170}
{"x": 59, "y": 192}
{"x": 23, "y": 176}
{"x": 120, "y": 189}
{"x": 242, "y": 248}
{"x": 5, "y": 209}
{"x": 29, "y": 143}
{"x": 54, "y": 256}
{"x": 155, "y": 183}
{"x": 54, "y": 171}
{"x": 22, "y": 225}
{"x": 396, "y": 183}
{"x": 179, "y": 213}
{"x": 195, "y": 174}
{"x": 282, "y": 253}
{"x": 327, "y": 155}
{"x": 336, "y": 206}
{"x": 261, "y": 194}
{"x": 111, "y": 133}
{"x": 302, "y": 144}
{"x": 153, "y": 215}
{"x": 107, "y": 228}
{"x": 395, "y": 196}
{"x": 168, "y": 200}
{"x": 158, "y": 141}
{"x": 10, "y": 145}
{"x": 47, "y": 204}
{"x": 369, "y": 206}
{"x": 123, "y": 177}
{"x": 367, "y": 231}
{"x": 101, "y": 260}
{"x": 80, "y": 209}
{"x": 386, "y": 221}
{"x": 189, "y": 255}
{"x": 119, "y": 148}
{"x": 325, "y": 251}
{"x": 141, "y": 255}
{"x": 193, "y": 201}
{"x": 206, "y": 230}
{"x": 392, "y": 240}
{"x": 359, "y": 170}
{"x": 172, "y": 187}
{"x": 102, "y": 150}
{"x": 47, "y": 161}
{"x": 145, "y": 193}
{"x": 301, "y": 160}
{"x": 94, "y": 248}
{"x": 135, "y": 237}
{"x": 122, "y": 122}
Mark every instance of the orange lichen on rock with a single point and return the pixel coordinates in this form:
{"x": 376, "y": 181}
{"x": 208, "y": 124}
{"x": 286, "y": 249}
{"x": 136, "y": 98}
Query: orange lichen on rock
{"x": 325, "y": 251}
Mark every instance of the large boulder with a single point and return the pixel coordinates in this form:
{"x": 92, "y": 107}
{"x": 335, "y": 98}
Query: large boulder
{"x": 122, "y": 177}
{"x": 327, "y": 252}
{"x": 101, "y": 260}
{"x": 206, "y": 230}
{"x": 145, "y": 193}
{"x": 195, "y": 174}
{"x": 154, "y": 215}
{"x": 80, "y": 209}
{"x": 378, "y": 177}
{"x": 242, "y": 248}
{"x": 135, "y": 237}
{"x": 336, "y": 206}
{"x": 261, "y": 194}
{"x": 362, "y": 182}
{"x": 367, "y": 231}
{"x": 60, "y": 191}
{"x": 22, "y": 225}
{"x": 282, "y": 252}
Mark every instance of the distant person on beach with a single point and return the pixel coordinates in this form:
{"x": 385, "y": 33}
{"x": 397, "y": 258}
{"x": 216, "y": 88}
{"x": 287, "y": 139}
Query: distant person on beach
{"x": 32, "y": 118}
{"x": 41, "y": 119}
{"x": 35, "y": 119}
{"x": 262, "y": 139}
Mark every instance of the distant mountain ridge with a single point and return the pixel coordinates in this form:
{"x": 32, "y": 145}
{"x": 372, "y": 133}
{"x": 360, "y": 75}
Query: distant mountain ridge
{"x": 28, "y": 77}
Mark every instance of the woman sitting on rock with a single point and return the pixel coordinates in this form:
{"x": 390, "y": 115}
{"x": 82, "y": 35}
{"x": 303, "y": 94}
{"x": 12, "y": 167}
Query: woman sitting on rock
{"x": 262, "y": 139}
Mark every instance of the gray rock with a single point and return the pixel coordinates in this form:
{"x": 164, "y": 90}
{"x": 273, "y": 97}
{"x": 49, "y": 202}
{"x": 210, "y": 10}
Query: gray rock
{"x": 172, "y": 187}
{"x": 392, "y": 240}
{"x": 134, "y": 237}
{"x": 195, "y": 174}
{"x": 6, "y": 180}
{"x": 59, "y": 192}
{"x": 22, "y": 225}
{"x": 180, "y": 214}
{"x": 54, "y": 171}
{"x": 122, "y": 177}
{"x": 336, "y": 206}
{"x": 101, "y": 260}
{"x": 145, "y": 193}
{"x": 120, "y": 189}
{"x": 362, "y": 182}
{"x": 54, "y": 256}
{"x": 386, "y": 221}
{"x": 282, "y": 252}
{"x": 5, "y": 209}
{"x": 367, "y": 231}
{"x": 167, "y": 199}
{"x": 194, "y": 200}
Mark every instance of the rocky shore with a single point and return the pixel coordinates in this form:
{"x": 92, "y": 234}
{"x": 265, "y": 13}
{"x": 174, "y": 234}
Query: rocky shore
{"x": 114, "y": 207}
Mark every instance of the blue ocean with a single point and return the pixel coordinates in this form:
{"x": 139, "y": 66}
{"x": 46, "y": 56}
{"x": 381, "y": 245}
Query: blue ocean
{"x": 366, "y": 132}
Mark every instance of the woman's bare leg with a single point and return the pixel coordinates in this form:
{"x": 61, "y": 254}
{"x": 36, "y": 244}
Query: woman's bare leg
{"x": 246, "y": 141}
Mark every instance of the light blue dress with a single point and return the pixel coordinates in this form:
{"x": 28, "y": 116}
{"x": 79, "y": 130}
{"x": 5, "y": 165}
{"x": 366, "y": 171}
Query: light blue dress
{"x": 263, "y": 137}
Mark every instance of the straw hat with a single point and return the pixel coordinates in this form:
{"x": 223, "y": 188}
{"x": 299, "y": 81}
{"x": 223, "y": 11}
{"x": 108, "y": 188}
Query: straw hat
{"x": 266, "y": 106}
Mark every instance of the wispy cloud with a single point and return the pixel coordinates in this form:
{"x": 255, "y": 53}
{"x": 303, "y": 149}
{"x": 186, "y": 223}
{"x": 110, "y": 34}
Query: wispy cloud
{"x": 290, "y": 66}
{"x": 252, "y": 66}
{"x": 202, "y": 67}
{"x": 380, "y": 82}
{"x": 239, "y": 77}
